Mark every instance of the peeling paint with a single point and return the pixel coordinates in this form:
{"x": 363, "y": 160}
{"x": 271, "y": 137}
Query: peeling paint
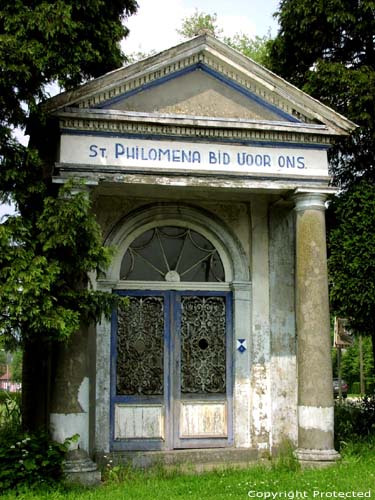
{"x": 65, "y": 425}
{"x": 316, "y": 418}
{"x": 83, "y": 394}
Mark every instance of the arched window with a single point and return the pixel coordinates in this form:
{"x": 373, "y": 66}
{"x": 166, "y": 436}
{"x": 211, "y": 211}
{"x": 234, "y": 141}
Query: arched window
{"x": 172, "y": 253}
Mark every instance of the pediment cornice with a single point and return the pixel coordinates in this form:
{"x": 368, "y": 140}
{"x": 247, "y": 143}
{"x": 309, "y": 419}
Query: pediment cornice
{"x": 208, "y": 54}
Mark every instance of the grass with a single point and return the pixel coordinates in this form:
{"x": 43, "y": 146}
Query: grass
{"x": 283, "y": 477}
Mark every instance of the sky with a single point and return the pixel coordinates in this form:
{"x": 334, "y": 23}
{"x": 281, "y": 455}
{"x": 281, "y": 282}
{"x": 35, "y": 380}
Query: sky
{"x": 154, "y": 26}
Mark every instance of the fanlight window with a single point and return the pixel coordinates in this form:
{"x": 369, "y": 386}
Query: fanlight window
{"x": 171, "y": 253}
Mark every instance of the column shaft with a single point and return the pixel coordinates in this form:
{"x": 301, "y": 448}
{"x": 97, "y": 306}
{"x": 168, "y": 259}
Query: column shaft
{"x": 315, "y": 398}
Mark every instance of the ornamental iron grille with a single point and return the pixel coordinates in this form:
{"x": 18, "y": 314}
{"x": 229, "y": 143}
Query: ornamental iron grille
{"x": 172, "y": 254}
{"x": 203, "y": 346}
{"x": 140, "y": 347}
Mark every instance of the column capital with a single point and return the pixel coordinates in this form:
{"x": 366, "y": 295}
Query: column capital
{"x": 309, "y": 200}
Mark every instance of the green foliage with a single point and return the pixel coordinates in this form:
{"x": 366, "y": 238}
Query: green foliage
{"x": 351, "y": 262}
{"x": 30, "y": 460}
{"x": 26, "y": 459}
{"x": 3, "y": 361}
{"x": 286, "y": 460}
{"x": 16, "y": 366}
{"x": 49, "y": 246}
{"x": 355, "y": 472}
{"x": 43, "y": 269}
{"x": 256, "y": 48}
{"x": 200, "y": 23}
{"x": 10, "y": 412}
{"x": 47, "y": 249}
{"x": 354, "y": 420}
{"x": 350, "y": 365}
{"x": 327, "y": 49}
{"x": 68, "y": 41}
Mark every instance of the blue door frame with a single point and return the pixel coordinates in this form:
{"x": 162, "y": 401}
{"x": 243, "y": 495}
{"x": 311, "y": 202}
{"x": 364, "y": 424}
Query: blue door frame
{"x": 172, "y": 366}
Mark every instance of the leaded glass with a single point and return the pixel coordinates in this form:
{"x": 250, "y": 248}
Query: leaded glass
{"x": 203, "y": 353}
{"x": 140, "y": 347}
{"x": 172, "y": 254}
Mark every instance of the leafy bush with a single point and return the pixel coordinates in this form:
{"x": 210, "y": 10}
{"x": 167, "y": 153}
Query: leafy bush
{"x": 10, "y": 411}
{"x": 30, "y": 459}
{"x": 354, "y": 420}
{"x": 26, "y": 459}
{"x": 14, "y": 396}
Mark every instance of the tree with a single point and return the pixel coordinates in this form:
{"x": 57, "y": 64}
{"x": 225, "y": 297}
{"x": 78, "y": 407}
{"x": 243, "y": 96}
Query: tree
{"x": 47, "y": 249}
{"x": 256, "y": 48}
{"x": 352, "y": 258}
{"x": 3, "y": 362}
{"x": 16, "y": 366}
{"x": 328, "y": 49}
{"x": 350, "y": 364}
{"x": 200, "y": 22}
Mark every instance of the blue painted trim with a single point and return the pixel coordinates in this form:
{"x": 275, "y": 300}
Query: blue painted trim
{"x": 213, "y": 140}
{"x": 172, "y": 368}
{"x": 137, "y": 444}
{"x": 146, "y": 86}
{"x": 211, "y": 72}
{"x": 211, "y": 442}
{"x": 247, "y": 93}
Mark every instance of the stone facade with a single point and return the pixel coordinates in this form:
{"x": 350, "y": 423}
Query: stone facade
{"x": 202, "y": 140}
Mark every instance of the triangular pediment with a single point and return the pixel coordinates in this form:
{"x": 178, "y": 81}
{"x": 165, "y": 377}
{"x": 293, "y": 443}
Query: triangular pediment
{"x": 201, "y": 78}
{"x": 198, "y": 91}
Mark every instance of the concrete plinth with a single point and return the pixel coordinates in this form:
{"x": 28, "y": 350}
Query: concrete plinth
{"x": 316, "y": 458}
{"x": 80, "y": 469}
{"x": 197, "y": 460}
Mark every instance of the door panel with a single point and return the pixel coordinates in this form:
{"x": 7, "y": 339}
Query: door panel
{"x": 203, "y": 345}
{"x": 203, "y": 373}
{"x": 203, "y": 419}
{"x": 171, "y": 373}
{"x": 140, "y": 347}
{"x": 139, "y": 421}
{"x": 140, "y": 364}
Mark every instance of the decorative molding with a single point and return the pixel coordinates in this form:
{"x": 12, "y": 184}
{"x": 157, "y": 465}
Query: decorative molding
{"x": 200, "y": 61}
{"x": 224, "y": 134}
{"x": 208, "y": 52}
{"x": 310, "y": 201}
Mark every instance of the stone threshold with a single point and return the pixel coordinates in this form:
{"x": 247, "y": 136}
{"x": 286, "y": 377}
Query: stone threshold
{"x": 185, "y": 460}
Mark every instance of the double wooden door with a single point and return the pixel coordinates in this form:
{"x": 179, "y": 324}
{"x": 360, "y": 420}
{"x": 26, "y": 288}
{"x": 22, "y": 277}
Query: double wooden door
{"x": 171, "y": 383}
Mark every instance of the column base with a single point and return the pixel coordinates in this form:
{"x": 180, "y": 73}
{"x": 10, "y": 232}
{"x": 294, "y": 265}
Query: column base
{"x": 80, "y": 469}
{"x": 316, "y": 458}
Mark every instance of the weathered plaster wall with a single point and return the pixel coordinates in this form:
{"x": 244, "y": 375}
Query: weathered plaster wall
{"x": 71, "y": 395}
{"x": 196, "y": 94}
{"x": 282, "y": 322}
{"x": 260, "y": 348}
{"x": 265, "y": 375}
{"x": 110, "y": 210}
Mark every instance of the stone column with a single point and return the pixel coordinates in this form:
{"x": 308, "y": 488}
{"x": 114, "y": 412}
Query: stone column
{"x": 70, "y": 406}
{"x": 315, "y": 398}
{"x": 72, "y": 375}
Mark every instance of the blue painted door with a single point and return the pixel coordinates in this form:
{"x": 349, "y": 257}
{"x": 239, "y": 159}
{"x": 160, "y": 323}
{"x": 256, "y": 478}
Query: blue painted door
{"x": 171, "y": 376}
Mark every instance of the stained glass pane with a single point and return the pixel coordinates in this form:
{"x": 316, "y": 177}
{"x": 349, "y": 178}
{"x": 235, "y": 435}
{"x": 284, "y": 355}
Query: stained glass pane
{"x": 140, "y": 347}
{"x": 172, "y": 253}
{"x": 203, "y": 353}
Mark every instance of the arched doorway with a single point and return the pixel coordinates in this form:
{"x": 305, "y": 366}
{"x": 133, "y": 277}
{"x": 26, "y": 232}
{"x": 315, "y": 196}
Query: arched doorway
{"x": 171, "y": 261}
{"x": 171, "y": 364}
